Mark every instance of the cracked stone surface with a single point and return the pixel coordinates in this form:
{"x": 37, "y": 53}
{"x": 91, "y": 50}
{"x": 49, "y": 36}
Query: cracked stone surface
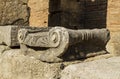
{"x": 14, "y": 12}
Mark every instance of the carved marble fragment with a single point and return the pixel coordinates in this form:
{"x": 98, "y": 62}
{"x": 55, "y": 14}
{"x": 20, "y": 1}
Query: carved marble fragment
{"x": 8, "y": 35}
{"x": 57, "y": 40}
{"x": 57, "y": 43}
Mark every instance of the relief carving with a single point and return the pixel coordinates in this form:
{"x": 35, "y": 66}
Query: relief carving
{"x": 56, "y": 43}
{"x": 57, "y": 40}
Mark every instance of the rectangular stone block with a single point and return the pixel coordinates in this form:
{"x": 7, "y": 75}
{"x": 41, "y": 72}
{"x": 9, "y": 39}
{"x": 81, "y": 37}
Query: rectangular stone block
{"x": 14, "y": 12}
{"x": 14, "y": 65}
{"x": 106, "y": 68}
{"x": 8, "y": 35}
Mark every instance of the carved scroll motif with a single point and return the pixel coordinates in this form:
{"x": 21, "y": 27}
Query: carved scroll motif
{"x": 47, "y": 39}
{"x": 9, "y": 34}
{"x": 58, "y": 39}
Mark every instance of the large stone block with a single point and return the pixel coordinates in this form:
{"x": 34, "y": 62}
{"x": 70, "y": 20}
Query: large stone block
{"x": 14, "y": 12}
{"x": 14, "y": 65}
{"x": 9, "y": 35}
{"x": 99, "y": 69}
{"x": 64, "y": 44}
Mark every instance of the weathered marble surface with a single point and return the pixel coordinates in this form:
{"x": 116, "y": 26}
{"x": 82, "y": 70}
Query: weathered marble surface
{"x": 99, "y": 69}
{"x": 15, "y": 65}
{"x": 8, "y": 35}
{"x": 57, "y": 41}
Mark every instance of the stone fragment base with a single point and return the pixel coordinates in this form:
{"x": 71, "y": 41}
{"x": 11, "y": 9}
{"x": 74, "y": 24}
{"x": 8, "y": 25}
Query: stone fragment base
{"x": 99, "y": 69}
{"x": 14, "y": 65}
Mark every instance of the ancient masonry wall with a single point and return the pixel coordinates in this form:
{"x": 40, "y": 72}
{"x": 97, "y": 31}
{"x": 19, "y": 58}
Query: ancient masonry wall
{"x": 18, "y": 11}
{"x": 113, "y": 23}
{"x": 72, "y": 13}
{"x": 38, "y": 12}
{"x": 113, "y": 17}
{"x": 56, "y": 13}
{"x": 97, "y": 14}
{"x": 14, "y": 65}
{"x": 14, "y": 12}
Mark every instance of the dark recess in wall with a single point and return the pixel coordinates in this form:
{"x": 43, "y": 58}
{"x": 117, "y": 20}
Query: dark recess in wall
{"x": 66, "y": 13}
{"x": 95, "y": 14}
{"x": 77, "y": 14}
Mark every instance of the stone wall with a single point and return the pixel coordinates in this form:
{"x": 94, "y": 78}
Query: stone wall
{"x": 113, "y": 17}
{"x": 15, "y": 65}
{"x": 38, "y": 12}
{"x": 14, "y": 12}
{"x": 65, "y": 13}
{"x": 113, "y": 23}
{"x": 96, "y": 13}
